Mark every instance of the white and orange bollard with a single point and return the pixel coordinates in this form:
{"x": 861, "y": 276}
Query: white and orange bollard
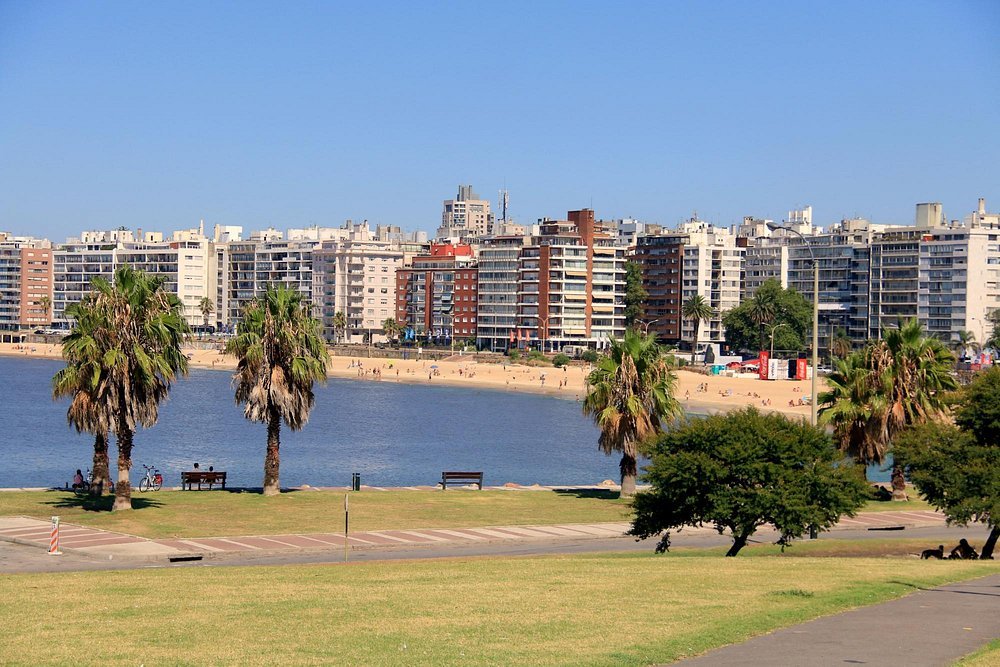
{"x": 54, "y": 538}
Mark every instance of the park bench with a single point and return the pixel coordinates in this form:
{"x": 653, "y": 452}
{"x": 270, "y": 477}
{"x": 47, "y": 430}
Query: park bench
{"x": 192, "y": 477}
{"x": 461, "y": 478}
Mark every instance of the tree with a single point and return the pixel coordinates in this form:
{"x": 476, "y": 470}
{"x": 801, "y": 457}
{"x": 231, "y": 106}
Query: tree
{"x": 339, "y": 325}
{"x": 629, "y": 395}
{"x": 84, "y": 382}
{"x": 741, "y": 470}
{"x": 840, "y": 346}
{"x": 46, "y": 303}
{"x": 697, "y": 309}
{"x": 281, "y": 354}
{"x": 956, "y": 468}
{"x": 392, "y": 328}
{"x": 762, "y": 308}
{"x": 635, "y": 294}
{"x": 743, "y": 331}
{"x": 207, "y": 308}
{"x": 893, "y": 383}
{"x": 966, "y": 341}
{"x": 138, "y": 328}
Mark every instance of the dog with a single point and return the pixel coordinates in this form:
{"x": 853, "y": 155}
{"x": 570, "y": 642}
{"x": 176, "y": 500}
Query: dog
{"x": 933, "y": 553}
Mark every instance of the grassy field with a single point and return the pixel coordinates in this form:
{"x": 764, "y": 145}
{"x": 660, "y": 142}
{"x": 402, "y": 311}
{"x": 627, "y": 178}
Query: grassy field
{"x": 988, "y": 656}
{"x": 190, "y": 514}
{"x": 571, "y": 610}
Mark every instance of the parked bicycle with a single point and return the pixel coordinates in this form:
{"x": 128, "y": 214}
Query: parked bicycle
{"x": 88, "y": 483}
{"x": 152, "y": 480}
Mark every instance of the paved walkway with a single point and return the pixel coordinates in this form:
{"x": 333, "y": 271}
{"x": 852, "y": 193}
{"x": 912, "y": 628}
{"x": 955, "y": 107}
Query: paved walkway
{"x": 930, "y": 628}
{"x": 106, "y": 544}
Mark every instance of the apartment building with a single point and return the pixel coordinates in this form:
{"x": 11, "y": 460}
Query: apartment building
{"x": 465, "y": 217}
{"x": 25, "y": 282}
{"x": 497, "y": 291}
{"x": 357, "y": 276}
{"x": 660, "y": 259}
{"x": 894, "y": 278}
{"x": 437, "y": 295}
{"x": 712, "y": 266}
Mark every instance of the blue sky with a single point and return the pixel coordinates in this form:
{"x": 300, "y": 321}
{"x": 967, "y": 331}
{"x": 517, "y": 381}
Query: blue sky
{"x": 291, "y": 114}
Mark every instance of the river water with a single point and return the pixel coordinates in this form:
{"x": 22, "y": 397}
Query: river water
{"x": 394, "y": 434}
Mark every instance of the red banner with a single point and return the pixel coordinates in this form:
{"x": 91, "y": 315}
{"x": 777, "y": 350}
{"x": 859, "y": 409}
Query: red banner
{"x": 801, "y": 369}
{"x": 765, "y": 361}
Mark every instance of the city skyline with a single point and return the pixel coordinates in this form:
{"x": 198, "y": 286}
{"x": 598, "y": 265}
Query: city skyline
{"x": 157, "y": 117}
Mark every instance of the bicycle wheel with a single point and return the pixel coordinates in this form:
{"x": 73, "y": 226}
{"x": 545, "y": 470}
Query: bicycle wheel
{"x": 157, "y": 484}
{"x": 144, "y": 484}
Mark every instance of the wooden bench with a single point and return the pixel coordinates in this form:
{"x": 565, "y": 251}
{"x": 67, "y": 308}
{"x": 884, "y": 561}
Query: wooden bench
{"x": 461, "y": 478}
{"x": 190, "y": 478}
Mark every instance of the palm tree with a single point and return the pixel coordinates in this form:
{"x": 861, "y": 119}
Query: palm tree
{"x": 966, "y": 341}
{"x": 763, "y": 309}
{"x": 281, "y": 354}
{"x": 896, "y": 382}
{"x": 840, "y": 346}
{"x": 207, "y": 308}
{"x": 629, "y": 395}
{"x": 339, "y": 324}
{"x": 84, "y": 382}
{"x": 697, "y": 309}
{"x": 392, "y": 328}
{"x": 139, "y": 330}
{"x": 46, "y": 303}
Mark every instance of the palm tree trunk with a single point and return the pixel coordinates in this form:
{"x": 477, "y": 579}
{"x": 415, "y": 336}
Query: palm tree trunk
{"x": 739, "y": 541}
{"x": 123, "y": 489}
{"x": 102, "y": 474}
{"x": 991, "y": 543}
{"x": 628, "y": 472}
{"x": 694, "y": 343}
{"x": 898, "y": 483}
{"x": 272, "y": 460}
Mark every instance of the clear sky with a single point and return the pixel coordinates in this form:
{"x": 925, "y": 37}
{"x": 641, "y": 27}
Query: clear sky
{"x": 157, "y": 114}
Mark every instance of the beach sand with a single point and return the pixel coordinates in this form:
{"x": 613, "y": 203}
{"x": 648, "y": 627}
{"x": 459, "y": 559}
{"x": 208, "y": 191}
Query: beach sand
{"x": 464, "y": 371}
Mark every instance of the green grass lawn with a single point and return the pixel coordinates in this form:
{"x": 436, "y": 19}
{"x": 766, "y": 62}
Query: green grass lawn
{"x": 987, "y": 656}
{"x": 215, "y": 513}
{"x": 620, "y": 609}
{"x": 914, "y": 503}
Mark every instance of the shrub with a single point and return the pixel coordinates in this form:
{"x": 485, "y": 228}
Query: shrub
{"x": 560, "y": 360}
{"x": 590, "y": 356}
{"x": 513, "y": 354}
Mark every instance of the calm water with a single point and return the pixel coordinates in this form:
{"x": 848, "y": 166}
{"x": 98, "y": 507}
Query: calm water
{"x": 393, "y": 434}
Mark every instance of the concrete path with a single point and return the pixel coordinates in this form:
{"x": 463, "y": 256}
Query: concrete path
{"x": 108, "y": 545}
{"x": 929, "y": 628}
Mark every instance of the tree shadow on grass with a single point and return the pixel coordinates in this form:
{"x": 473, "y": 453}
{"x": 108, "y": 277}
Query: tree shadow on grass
{"x": 99, "y": 503}
{"x": 255, "y": 490}
{"x": 599, "y": 494}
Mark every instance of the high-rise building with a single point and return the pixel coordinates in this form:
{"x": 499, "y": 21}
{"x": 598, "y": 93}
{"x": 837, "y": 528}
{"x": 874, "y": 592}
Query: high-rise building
{"x": 25, "y": 282}
{"x": 497, "y": 305}
{"x": 436, "y": 294}
{"x": 465, "y": 217}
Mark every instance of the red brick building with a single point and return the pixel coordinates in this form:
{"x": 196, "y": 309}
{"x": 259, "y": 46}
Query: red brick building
{"x": 438, "y": 294}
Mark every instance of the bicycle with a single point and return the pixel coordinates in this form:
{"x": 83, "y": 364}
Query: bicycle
{"x": 88, "y": 484}
{"x": 152, "y": 480}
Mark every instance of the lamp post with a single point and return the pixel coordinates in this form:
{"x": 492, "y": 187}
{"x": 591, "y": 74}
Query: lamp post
{"x": 543, "y": 330}
{"x": 645, "y": 325}
{"x": 773, "y": 329}
{"x": 815, "y": 343}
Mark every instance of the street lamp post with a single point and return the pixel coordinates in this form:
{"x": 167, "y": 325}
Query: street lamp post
{"x": 773, "y": 329}
{"x": 815, "y": 343}
{"x": 645, "y": 325}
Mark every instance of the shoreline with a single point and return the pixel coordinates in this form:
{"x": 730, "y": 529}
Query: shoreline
{"x": 723, "y": 394}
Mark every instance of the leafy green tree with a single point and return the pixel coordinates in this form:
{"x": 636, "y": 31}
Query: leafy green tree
{"x": 956, "y": 468}
{"x": 137, "y": 327}
{"x": 84, "y": 382}
{"x": 206, "y": 307}
{"x": 339, "y": 325}
{"x": 590, "y": 355}
{"x": 629, "y": 395}
{"x": 281, "y": 355}
{"x": 635, "y": 294}
{"x": 560, "y": 360}
{"x": 743, "y": 326}
{"x": 696, "y": 309}
{"x": 893, "y": 383}
{"x": 741, "y": 470}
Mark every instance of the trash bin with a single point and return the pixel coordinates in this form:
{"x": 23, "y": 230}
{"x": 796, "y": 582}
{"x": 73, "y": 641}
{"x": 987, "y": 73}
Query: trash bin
{"x": 356, "y": 481}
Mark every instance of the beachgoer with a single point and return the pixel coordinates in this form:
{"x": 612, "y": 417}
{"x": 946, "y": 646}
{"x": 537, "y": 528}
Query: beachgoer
{"x": 78, "y": 479}
{"x": 211, "y": 468}
{"x": 196, "y": 467}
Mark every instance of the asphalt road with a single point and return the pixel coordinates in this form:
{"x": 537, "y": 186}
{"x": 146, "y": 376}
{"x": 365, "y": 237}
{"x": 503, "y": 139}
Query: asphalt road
{"x": 16, "y": 558}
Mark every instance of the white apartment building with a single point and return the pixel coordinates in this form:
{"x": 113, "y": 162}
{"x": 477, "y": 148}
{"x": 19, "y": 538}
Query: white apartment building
{"x": 465, "y": 217}
{"x": 497, "y": 306}
{"x": 712, "y": 265}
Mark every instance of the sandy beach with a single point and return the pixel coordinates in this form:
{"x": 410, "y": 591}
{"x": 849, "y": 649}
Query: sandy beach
{"x": 723, "y": 393}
